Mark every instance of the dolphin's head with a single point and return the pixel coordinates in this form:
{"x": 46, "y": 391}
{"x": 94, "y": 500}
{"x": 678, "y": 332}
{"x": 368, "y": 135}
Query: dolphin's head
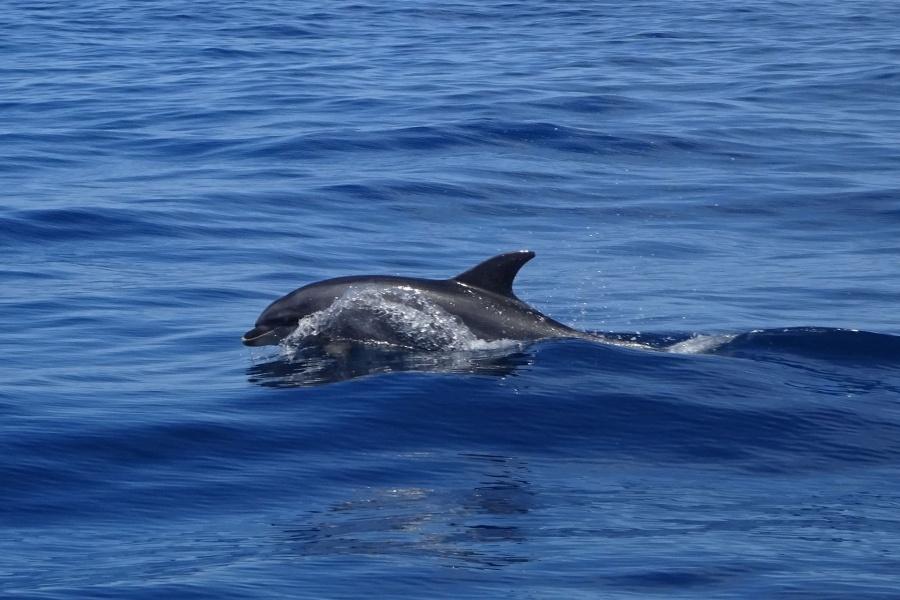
{"x": 278, "y": 321}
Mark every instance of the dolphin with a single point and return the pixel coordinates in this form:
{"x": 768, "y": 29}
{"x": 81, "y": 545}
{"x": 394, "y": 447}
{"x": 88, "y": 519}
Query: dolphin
{"x": 481, "y": 298}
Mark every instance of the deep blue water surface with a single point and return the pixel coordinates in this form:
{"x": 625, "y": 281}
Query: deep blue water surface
{"x": 715, "y": 169}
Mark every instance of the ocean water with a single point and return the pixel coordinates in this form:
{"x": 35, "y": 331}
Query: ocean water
{"x": 720, "y": 181}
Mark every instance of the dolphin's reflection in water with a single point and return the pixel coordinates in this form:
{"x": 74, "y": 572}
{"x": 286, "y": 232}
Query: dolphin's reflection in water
{"x": 318, "y": 365}
{"x": 481, "y": 527}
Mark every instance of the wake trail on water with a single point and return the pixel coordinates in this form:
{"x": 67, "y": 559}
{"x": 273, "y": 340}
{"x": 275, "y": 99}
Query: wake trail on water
{"x": 371, "y": 330}
{"x": 406, "y": 319}
{"x": 700, "y": 344}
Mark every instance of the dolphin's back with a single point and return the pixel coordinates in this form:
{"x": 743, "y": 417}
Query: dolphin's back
{"x": 481, "y": 299}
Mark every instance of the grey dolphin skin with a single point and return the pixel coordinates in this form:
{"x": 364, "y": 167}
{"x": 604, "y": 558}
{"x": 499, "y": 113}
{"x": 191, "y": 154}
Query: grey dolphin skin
{"x": 481, "y": 298}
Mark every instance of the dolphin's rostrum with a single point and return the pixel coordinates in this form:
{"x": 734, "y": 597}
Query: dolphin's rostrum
{"x": 481, "y": 298}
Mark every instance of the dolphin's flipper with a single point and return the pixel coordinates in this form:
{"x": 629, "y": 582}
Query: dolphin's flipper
{"x": 496, "y": 274}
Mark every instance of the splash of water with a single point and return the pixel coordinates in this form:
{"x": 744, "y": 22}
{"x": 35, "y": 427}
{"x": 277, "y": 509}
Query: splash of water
{"x": 400, "y": 317}
{"x": 700, "y": 344}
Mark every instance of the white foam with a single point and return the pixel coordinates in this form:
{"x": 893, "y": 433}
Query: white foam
{"x": 400, "y": 317}
{"x": 700, "y": 344}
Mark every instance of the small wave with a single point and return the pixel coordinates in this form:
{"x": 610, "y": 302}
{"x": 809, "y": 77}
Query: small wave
{"x": 822, "y": 343}
{"x": 41, "y": 225}
{"x": 468, "y": 133}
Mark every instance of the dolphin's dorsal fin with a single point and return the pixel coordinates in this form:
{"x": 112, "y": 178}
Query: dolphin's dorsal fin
{"x": 496, "y": 274}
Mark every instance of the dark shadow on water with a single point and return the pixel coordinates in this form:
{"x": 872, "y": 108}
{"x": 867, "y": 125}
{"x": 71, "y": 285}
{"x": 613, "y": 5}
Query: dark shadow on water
{"x": 480, "y": 526}
{"x": 314, "y": 366}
